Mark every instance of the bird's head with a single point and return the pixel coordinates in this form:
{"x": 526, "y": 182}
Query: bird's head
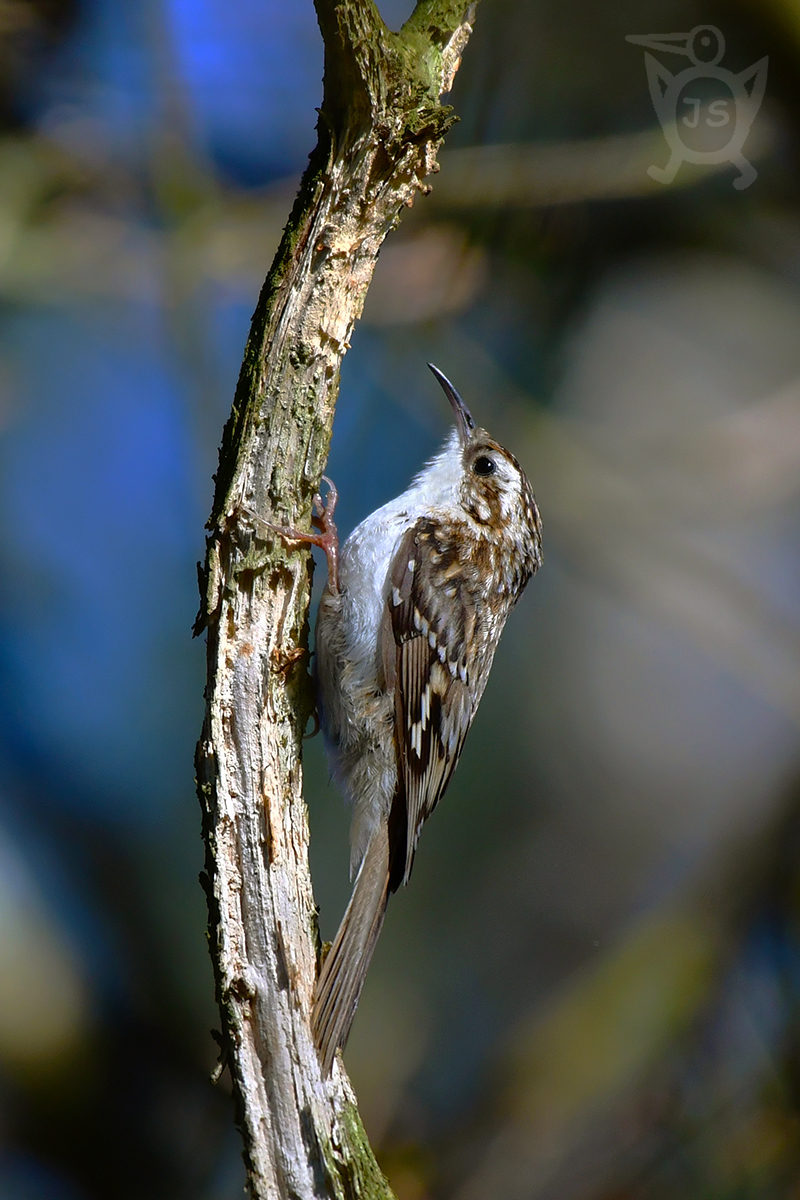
{"x": 495, "y": 491}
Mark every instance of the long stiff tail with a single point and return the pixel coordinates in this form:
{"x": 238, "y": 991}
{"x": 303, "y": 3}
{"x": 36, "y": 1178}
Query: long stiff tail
{"x": 344, "y": 970}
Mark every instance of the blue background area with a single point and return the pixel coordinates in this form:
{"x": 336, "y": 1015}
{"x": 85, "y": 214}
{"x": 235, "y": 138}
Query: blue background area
{"x": 630, "y": 783}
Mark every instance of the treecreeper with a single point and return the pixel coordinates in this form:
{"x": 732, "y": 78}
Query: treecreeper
{"x": 408, "y": 624}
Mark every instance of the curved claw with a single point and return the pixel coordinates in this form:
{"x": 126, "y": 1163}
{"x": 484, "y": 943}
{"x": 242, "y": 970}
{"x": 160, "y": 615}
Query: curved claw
{"x": 316, "y": 729}
{"x": 328, "y": 537}
{"x": 325, "y": 509}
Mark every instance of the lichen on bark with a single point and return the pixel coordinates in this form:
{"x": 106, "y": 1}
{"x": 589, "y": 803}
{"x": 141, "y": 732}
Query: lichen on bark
{"x": 380, "y": 126}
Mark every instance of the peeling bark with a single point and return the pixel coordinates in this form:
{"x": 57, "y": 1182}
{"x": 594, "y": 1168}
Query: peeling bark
{"x": 380, "y": 127}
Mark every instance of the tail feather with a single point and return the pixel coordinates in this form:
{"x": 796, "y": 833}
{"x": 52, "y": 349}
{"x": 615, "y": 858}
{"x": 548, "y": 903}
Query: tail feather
{"x": 344, "y": 970}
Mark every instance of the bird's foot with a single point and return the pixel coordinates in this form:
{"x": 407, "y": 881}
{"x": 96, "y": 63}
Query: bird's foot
{"x": 664, "y": 174}
{"x": 327, "y": 538}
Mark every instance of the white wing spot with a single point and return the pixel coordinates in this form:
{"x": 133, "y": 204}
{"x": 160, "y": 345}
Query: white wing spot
{"x": 432, "y": 643}
{"x": 416, "y": 739}
{"x": 411, "y": 564}
{"x": 425, "y": 705}
{"x": 396, "y": 597}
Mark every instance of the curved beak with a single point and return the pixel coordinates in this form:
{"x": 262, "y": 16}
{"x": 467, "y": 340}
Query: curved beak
{"x": 464, "y": 421}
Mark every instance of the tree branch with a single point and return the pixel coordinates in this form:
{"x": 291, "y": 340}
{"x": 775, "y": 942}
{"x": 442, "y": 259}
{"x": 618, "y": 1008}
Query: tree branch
{"x": 381, "y": 124}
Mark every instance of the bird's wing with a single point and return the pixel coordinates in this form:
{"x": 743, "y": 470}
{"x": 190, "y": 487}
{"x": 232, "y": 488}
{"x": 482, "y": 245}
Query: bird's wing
{"x": 429, "y": 625}
{"x": 658, "y": 80}
{"x": 749, "y": 101}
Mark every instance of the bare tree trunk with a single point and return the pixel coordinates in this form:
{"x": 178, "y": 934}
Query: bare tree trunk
{"x": 380, "y": 127}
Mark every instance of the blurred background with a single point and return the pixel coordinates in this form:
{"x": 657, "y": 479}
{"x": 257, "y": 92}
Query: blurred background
{"x": 591, "y": 991}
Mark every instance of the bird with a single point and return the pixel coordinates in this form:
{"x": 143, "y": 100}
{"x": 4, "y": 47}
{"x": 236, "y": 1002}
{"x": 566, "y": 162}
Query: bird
{"x": 407, "y": 627}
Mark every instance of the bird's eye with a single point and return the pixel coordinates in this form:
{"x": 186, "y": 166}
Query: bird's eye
{"x": 484, "y": 465}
